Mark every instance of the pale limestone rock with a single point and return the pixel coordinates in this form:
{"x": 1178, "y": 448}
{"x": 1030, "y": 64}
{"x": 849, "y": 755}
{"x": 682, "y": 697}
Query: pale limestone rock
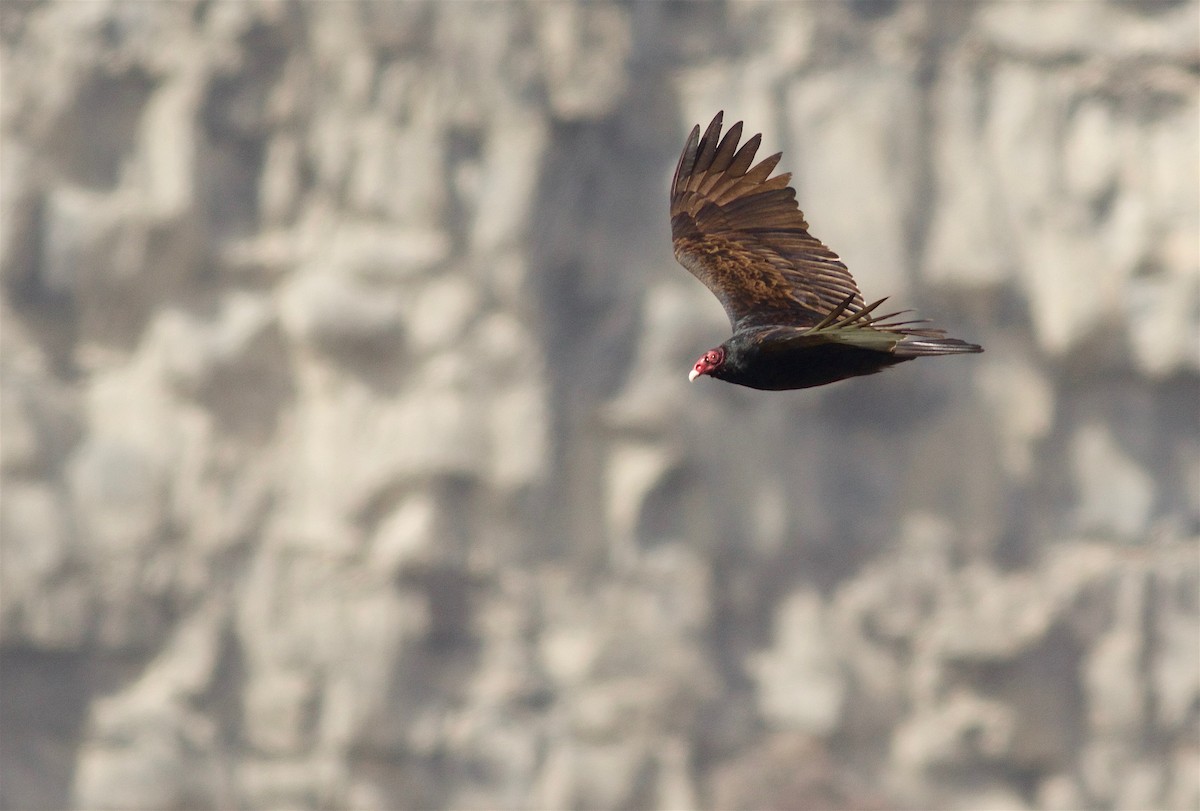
{"x": 590, "y": 775}
{"x": 24, "y": 446}
{"x": 396, "y": 27}
{"x": 1115, "y": 494}
{"x": 1175, "y": 678}
{"x": 787, "y": 33}
{"x": 435, "y": 426}
{"x": 585, "y": 50}
{"x": 789, "y": 770}
{"x": 440, "y": 311}
{"x": 801, "y": 684}
{"x": 505, "y": 350}
{"x": 1143, "y": 784}
{"x": 406, "y": 537}
{"x": 397, "y": 173}
{"x": 36, "y": 536}
{"x": 1072, "y": 282}
{"x": 41, "y": 604}
{"x": 336, "y": 313}
{"x": 279, "y": 191}
{"x": 988, "y": 616}
{"x": 1184, "y": 788}
{"x": 1090, "y": 148}
{"x": 118, "y": 490}
{"x": 58, "y": 616}
{"x": 18, "y": 236}
{"x": 854, "y": 202}
{"x": 368, "y": 704}
{"x": 1164, "y": 327}
{"x": 151, "y": 729}
{"x": 1121, "y": 30}
{"x": 280, "y": 708}
{"x": 78, "y": 232}
{"x": 1060, "y": 791}
{"x": 505, "y": 273}
{"x": 1164, "y": 321}
{"x": 196, "y": 353}
{"x": 961, "y": 729}
{"x": 310, "y": 780}
{"x": 508, "y": 175}
{"x": 568, "y": 653}
{"x": 1023, "y": 402}
{"x": 166, "y": 171}
{"x": 505, "y": 360}
{"x": 1101, "y": 764}
{"x": 1116, "y": 698}
{"x": 395, "y": 441}
{"x": 518, "y": 443}
{"x": 969, "y": 244}
{"x": 989, "y": 798}
{"x": 1089, "y": 233}
{"x": 278, "y": 354}
{"x": 314, "y": 703}
{"x": 383, "y": 253}
{"x": 131, "y": 777}
{"x": 634, "y": 470}
{"x": 675, "y": 787}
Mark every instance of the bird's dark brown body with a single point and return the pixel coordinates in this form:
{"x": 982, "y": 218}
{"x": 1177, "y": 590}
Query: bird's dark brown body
{"x": 757, "y": 359}
{"x": 798, "y": 318}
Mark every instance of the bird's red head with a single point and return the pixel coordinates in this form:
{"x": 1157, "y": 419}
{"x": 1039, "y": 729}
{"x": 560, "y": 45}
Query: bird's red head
{"x": 711, "y": 361}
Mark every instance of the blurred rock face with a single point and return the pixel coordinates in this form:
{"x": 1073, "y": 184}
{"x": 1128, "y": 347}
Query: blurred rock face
{"x": 349, "y": 460}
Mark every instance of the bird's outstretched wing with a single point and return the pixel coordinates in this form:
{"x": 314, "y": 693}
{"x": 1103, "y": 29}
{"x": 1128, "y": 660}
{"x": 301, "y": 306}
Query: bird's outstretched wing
{"x": 741, "y": 233}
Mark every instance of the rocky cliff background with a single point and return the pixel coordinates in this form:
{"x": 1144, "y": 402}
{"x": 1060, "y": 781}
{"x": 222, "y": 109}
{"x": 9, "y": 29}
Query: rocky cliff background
{"x": 349, "y": 459}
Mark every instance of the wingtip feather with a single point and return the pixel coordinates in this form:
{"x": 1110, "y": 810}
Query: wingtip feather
{"x": 915, "y": 347}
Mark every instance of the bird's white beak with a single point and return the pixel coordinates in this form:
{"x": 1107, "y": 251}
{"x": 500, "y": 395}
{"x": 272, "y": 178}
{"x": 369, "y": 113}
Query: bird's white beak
{"x": 692, "y": 375}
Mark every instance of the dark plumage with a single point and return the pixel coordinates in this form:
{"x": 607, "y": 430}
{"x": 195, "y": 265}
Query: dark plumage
{"x": 798, "y": 318}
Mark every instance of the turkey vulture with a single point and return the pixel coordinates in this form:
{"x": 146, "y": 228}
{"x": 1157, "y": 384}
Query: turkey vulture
{"x": 798, "y": 318}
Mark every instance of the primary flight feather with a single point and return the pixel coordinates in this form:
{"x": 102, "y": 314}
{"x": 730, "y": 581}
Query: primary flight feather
{"x": 798, "y": 318}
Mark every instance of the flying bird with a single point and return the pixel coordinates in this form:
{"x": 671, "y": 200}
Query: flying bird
{"x": 798, "y": 318}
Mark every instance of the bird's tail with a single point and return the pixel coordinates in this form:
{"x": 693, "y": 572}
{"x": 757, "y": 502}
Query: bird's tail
{"x": 915, "y": 346}
{"x": 916, "y": 340}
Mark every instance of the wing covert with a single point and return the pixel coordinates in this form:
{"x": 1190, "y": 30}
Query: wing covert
{"x": 741, "y": 232}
